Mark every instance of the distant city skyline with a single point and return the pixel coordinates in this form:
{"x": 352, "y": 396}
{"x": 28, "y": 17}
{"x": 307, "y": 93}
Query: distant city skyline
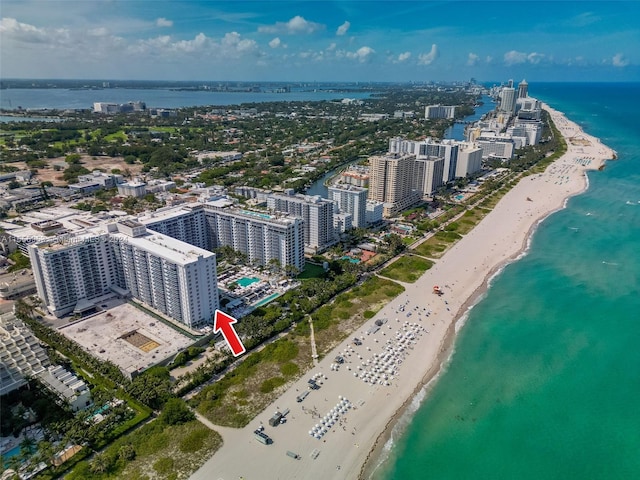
{"x": 320, "y": 41}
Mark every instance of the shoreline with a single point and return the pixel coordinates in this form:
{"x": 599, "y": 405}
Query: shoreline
{"x": 374, "y": 460}
{"x": 466, "y": 271}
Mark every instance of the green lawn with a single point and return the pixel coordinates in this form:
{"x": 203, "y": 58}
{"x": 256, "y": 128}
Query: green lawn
{"x": 311, "y": 271}
{"x": 407, "y": 268}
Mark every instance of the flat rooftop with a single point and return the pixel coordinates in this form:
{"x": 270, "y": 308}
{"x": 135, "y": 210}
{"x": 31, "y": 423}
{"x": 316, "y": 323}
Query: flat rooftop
{"x": 127, "y": 336}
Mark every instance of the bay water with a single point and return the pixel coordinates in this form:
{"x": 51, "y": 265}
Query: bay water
{"x": 544, "y": 381}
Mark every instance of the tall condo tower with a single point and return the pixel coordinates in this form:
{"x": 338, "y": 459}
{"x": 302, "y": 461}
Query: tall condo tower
{"x": 351, "y": 199}
{"x": 523, "y": 89}
{"x": 508, "y": 101}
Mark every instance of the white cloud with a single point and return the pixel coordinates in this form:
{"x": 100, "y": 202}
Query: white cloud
{"x": 619, "y": 60}
{"x": 472, "y": 59}
{"x": 163, "y": 22}
{"x": 275, "y": 43}
{"x": 535, "y": 57}
{"x": 363, "y": 54}
{"x": 98, "y": 32}
{"x": 10, "y": 28}
{"x": 342, "y": 29}
{"x": 513, "y": 57}
{"x": 232, "y": 43}
{"x": 489, "y": 59}
{"x": 429, "y": 58}
{"x": 404, "y": 56}
{"x": 331, "y": 47}
{"x": 296, "y": 25}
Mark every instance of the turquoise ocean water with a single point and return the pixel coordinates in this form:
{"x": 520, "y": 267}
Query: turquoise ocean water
{"x": 545, "y": 379}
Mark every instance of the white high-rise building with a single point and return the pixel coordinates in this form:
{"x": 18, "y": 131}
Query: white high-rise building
{"x": 374, "y": 212}
{"x": 508, "y": 100}
{"x": 351, "y": 199}
{"x": 427, "y": 175}
{"x": 72, "y": 271}
{"x": 439, "y": 111}
{"x": 317, "y": 213}
{"x": 428, "y": 148}
{"x": 171, "y": 276}
{"x": 262, "y": 237}
{"x": 496, "y": 147}
{"x": 523, "y": 89}
{"x": 469, "y": 159}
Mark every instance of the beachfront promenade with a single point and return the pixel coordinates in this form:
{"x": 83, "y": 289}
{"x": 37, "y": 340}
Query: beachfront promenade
{"x": 407, "y": 350}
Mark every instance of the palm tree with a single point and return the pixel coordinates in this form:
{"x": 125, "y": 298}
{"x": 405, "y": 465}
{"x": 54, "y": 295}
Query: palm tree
{"x": 101, "y": 463}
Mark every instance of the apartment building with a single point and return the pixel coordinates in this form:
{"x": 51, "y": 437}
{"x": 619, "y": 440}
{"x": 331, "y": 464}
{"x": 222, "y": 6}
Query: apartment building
{"x": 469, "y": 159}
{"x": 24, "y": 358}
{"x": 124, "y": 258}
{"x": 439, "y": 111}
{"x": 391, "y": 182}
{"x": 262, "y": 237}
{"x": 21, "y": 355}
{"x": 351, "y": 199}
{"x": 429, "y": 148}
{"x": 167, "y": 274}
{"x": 316, "y": 213}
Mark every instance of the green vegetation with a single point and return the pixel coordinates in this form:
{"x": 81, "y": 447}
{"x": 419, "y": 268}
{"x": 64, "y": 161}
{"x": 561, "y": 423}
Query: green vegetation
{"x": 170, "y": 451}
{"x": 435, "y": 246}
{"x": 243, "y": 392}
{"x": 185, "y": 356}
{"x": 175, "y": 412}
{"x": 407, "y": 268}
{"x": 311, "y": 271}
{"x": 335, "y": 321}
{"x": 20, "y": 260}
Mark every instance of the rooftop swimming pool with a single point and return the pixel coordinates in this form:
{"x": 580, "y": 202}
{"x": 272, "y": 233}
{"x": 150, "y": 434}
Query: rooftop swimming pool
{"x": 257, "y": 214}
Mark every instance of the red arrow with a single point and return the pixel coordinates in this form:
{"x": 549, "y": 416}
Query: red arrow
{"x": 223, "y": 323}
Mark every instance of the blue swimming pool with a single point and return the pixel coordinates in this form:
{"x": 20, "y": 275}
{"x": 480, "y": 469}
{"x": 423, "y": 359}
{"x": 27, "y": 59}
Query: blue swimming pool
{"x": 351, "y": 259}
{"x": 246, "y": 281}
{"x": 264, "y": 301}
{"x": 14, "y": 452}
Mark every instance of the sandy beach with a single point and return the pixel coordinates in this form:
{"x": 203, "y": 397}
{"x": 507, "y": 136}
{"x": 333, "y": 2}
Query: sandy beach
{"x": 338, "y": 430}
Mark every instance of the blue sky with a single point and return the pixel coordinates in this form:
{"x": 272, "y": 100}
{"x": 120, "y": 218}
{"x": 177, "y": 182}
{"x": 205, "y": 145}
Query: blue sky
{"x": 320, "y": 41}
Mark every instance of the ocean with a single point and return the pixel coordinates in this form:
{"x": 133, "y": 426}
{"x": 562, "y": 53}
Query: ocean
{"x": 544, "y": 381}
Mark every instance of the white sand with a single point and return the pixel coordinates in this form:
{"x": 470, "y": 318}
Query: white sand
{"x": 462, "y": 272}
